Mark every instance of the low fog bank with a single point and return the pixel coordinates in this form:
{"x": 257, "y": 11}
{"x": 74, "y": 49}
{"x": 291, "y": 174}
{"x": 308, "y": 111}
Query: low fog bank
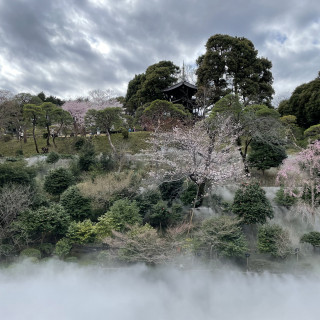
{"x": 57, "y": 290}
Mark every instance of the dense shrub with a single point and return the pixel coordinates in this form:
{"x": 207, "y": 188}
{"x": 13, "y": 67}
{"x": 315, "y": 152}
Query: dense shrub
{"x": 31, "y": 253}
{"x": 52, "y": 157}
{"x": 141, "y": 244}
{"x": 41, "y": 224}
{"x": 251, "y": 204}
{"x": 170, "y": 190}
{"x": 19, "y": 152}
{"x": 189, "y": 194}
{"x": 223, "y": 236}
{"x": 146, "y": 200}
{"x": 312, "y": 238}
{"x": 264, "y": 156}
{"x": 75, "y": 204}
{"x": 46, "y": 249}
{"x": 108, "y": 188}
{"x": 313, "y": 133}
{"x": 122, "y": 213}
{"x": 57, "y": 181}
{"x": 159, "y": 216}
{"x": 7, "y": 138}
{"x": 106, "y": 162}
{"x": 16, "y": 173}
{"x": 274, "y": 240}
{"x": 6, "y": 249}
{"x": 63, "y": 247}
{"x": 81, "y": 232}
{"x": 87, "y": 156}
{"x": 125, "y": 133}
{"x": 284, "y": 199}
{"x": 78, "y": 144}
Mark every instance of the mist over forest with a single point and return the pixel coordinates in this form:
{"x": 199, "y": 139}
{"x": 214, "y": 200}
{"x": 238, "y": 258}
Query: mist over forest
{"x": 53, "y": 289}
{"x": 193, "y": 196}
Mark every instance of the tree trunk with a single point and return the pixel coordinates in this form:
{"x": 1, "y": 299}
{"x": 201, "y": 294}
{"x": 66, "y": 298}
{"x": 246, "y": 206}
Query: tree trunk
{"x": 111, "y": 144}
{"x": 243, "y": 155}
{"x": 25, "y": 134}
{"x": 48, "y": 137}
{"x": 34, "y": 138}
{"x": 198, "y": 197}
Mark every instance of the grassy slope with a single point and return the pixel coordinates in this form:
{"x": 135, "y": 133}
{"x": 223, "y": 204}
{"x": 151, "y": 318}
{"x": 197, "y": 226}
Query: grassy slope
{"x": 136, "y": 142}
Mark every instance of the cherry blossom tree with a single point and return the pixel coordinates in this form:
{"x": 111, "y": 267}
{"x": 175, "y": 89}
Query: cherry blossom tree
{"x": 97, "y": 100}
{"x": 77, "y": 109}
{"x": 301, "y": 177}
{"x": 105, "y": 98}
{"x": 205, "y": 153}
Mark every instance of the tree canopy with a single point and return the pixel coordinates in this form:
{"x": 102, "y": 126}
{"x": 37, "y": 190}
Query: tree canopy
{"x": 164, "y": 114}
{"x": 232, "y": 65}
{"x": 148, "y": 86}
{"x": 304, "y": 103}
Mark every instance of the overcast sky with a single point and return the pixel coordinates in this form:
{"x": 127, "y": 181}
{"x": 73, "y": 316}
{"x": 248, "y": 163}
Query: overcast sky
{"x": 68, "y": 47}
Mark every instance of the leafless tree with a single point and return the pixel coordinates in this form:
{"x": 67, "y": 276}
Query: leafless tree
{"x": 13, "y": 200}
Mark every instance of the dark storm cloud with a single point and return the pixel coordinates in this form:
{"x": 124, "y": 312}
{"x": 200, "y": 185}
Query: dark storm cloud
{"x": 66, "y": 48}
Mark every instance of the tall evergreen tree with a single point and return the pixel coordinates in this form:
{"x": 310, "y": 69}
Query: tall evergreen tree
{"x": 232, "y": 65}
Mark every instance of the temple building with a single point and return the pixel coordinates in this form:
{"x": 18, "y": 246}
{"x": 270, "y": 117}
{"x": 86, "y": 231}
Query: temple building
{"x": 182, "y": 93}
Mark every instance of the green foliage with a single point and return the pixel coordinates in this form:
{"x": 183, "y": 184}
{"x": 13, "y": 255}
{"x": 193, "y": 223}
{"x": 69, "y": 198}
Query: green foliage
{"x": 46, "y": 249}
{"x": 106, "y": 162}
{"x": 19, "y": 152}
{"x": 159, "y": 215}
{"x": 274, "y": 240}
{"x": 52, "y": 157}
{"x": 136, "y": 143}
{"x": 30, "y": 253}
{"x": 304, "y": 103}
{"x": 6, "y": 250}
{"x": 251, "y": 204}
{"x": 189, "y": 194}
{"x": 7, "y": 138}
{"x": 284, "y": 199}
{"x": 104, "y": 119}
{"x": 264, "y": 156}
{"x": 16, "y": 173}
{"x": 146, "y": 200}
{"x": 81, "y": 232}
{"x": 164, "y": 114}
{"x": 170, "y": 190}
{"x": 63, "y": 247}
{"x": 125, "y": 133}
{"x": 149, "y": 86}
{"x": 313, "y": 133}
{"x": 312, "y": 237}
{"x": 229, "y": 103}
{"x": 41, "y": 224}
{"x": 141, "y": 244}
{"x": 78, "y": 144}
{"x": 75, "y": 204}
{"x": 285, "y": 109}
{"x": 87, "y": 156}
{"x": 231, "y": 64}
{"x": 123, "y": 212}
{"x": 223, "y": 235}
{"x": 57, "y": 181}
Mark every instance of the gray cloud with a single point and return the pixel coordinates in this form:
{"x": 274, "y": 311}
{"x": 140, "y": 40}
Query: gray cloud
{"x": 67, "y": 48}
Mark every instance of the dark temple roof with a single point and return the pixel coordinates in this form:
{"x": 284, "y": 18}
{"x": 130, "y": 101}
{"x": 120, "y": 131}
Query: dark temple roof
{"x": 180, "y": 84}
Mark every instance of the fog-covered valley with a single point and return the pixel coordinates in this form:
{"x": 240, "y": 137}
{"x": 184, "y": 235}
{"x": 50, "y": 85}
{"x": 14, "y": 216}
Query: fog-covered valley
{"x": 67, "y": 291}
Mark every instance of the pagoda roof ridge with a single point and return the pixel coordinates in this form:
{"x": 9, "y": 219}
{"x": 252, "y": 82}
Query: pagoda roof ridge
{"x": 181, "y": 83}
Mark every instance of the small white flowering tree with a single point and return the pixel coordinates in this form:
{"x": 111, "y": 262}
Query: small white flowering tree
{"x": 204, "y": 153}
